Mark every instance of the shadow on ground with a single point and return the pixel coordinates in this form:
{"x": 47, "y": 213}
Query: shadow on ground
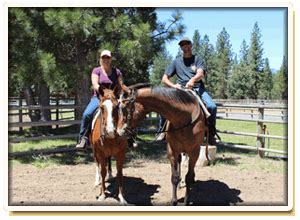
{"x": 137, "y": 192}
{"x": 213, "y": 193}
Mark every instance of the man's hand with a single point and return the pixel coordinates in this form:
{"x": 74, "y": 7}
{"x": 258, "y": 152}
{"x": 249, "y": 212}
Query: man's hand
{"x": 177, "y": 86}
{"x": 190, "y": 84}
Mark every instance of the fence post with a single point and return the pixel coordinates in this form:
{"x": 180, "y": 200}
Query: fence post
{"x": 57, "y": 110}
{"x": 259, "y": 140}
{"x": 20, "y": 113}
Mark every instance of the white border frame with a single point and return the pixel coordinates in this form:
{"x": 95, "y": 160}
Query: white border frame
{"x": 173, "y": 4}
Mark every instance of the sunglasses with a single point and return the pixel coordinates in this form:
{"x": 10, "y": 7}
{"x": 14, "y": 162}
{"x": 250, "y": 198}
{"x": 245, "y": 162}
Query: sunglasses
{"x": 184, "y": 43}
{"x": 105, "y": 57}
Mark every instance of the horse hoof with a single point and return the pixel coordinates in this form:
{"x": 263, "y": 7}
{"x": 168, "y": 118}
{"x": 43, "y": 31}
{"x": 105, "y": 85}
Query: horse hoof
{"x": 186, "y": 202}
{"x": 101, "y": 198}
{"x": 122, "y": 200}
{"x": 97, "y": 184}
{"x": 110, "y": 176}
{"x": 181, "y": 184}
{"x": 174, "y": 202}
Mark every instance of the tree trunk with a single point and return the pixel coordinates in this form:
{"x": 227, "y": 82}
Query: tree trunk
{"x": 44, "y": 100}
{"x": 34, "y": 115}
{"x": 83, "y": 93}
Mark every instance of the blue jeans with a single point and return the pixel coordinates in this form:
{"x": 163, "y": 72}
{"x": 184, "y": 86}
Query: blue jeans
{"x": 88, "y": 115}
{"x": 211, "y": 107}
{"x": 162, "y": 121}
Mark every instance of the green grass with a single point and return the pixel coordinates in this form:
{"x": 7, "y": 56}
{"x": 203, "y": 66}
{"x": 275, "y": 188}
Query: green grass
{"x": 154, "y": 151}
{"x": 40, "y": 145}
{"x": 251, "y": 127}
{"x": 63, "y": 115}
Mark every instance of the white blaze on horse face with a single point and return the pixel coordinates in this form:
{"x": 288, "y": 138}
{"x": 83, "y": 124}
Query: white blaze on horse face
{"x": 121, "y": 131}
{"x": 110, "y": 128}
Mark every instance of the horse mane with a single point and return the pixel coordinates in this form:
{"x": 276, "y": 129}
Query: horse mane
{"x": 140, "y": 86}
{"x": 178, "y": 95}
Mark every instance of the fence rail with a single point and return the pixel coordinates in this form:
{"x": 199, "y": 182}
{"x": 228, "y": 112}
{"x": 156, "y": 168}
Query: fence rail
{"x": 237, "y": 112}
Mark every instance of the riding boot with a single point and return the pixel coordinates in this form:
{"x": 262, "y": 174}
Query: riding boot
{"x": 162, "y": 127}
{"x": 82, "y": 143}
{"x": 161, "y": 136}
{"x": 211, "y": 136}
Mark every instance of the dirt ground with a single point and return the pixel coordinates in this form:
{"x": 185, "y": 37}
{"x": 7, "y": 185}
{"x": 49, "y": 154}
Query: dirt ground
{"x": 147, "y": 182}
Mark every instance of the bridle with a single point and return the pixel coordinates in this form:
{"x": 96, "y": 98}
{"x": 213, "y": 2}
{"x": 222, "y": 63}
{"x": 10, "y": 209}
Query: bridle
{"x": 128, "y": 102}
{"x": 133, "y": 133}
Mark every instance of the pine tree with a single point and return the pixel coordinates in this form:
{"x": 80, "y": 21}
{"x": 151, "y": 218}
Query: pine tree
{"x": 266, "y": 82}
{"x": 238, "y": 83}
{"x": 255, "y": 60}
{"x": 244, "y": 51}
{"x": 207, "y": 53}
{"x": 280, "y": 80}
{"x": 160, "y": 63}
{"x": 196, "y": 43}
{"x": 223, "y": 65}
{"x": 56, "y": 48}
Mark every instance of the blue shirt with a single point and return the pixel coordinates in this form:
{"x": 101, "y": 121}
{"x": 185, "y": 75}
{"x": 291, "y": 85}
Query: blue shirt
{"x": 185, "y": 69}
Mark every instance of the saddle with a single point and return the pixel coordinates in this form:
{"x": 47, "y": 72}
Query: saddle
{"x": 202, "y": 105}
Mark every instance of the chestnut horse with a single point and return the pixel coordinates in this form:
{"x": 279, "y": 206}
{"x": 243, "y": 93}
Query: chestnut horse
{"x": 106, "y": 142}
{"x": 185, "y": 131}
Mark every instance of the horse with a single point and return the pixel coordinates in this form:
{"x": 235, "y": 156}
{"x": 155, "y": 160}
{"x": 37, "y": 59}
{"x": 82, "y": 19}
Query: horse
{"x": 106, "y": 142}
{"x": 186, "y": 128}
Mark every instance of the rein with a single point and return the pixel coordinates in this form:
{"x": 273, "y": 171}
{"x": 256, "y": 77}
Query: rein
{"x": 134, "y": 133}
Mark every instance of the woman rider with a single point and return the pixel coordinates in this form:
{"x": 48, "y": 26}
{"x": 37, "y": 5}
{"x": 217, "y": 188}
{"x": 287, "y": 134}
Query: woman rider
{"x": 106, "y": 76}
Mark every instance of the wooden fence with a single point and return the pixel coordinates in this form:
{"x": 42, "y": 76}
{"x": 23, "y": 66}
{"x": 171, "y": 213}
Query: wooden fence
{"x": 63, "y": 115}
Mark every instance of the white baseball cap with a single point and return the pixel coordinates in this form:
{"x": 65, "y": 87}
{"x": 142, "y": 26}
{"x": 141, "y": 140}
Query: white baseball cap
{"x": 105, "y": 53}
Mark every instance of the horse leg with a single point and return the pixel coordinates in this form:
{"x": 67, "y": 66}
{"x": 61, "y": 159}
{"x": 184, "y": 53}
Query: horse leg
{"x": 103, "y": 174}
{"x": 183, "y": 160}
{"x": 175, "y": 178}
{"x": 120, "y": 161}
{"x": 110, "y": 176}
{"x": 97, "y": 176}
{"x": 190, "y": 176}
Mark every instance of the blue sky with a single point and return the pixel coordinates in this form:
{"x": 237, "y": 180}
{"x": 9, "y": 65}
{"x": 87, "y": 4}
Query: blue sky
{"x": 239, "y": 23}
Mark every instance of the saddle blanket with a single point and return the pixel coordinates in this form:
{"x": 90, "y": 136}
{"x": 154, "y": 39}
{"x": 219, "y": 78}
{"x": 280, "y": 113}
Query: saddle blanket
{"x": 95, "y": 116}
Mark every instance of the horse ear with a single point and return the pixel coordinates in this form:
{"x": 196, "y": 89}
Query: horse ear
{"x": 116, "y": 90}
{"x": 100, "y": 90}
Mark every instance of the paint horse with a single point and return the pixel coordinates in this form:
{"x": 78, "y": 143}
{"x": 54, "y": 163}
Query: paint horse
{"x": 106, "y": 142}
{"x": 185, "y": 131}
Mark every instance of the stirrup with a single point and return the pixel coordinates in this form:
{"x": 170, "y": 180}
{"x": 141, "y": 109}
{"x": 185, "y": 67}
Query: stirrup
{"x": 82, "y": 143}
{"x": 160, "y": 136}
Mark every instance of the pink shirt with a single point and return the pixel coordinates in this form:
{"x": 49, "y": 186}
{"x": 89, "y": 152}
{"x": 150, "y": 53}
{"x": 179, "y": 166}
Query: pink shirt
{"x": 107, "y": 81}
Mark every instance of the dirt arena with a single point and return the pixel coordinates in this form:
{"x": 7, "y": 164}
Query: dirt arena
{"x": 147, "y": 182}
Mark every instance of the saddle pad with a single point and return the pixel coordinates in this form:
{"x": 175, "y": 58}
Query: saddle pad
{"x": 96, "y": 115}
{"x": 201, "y": 103}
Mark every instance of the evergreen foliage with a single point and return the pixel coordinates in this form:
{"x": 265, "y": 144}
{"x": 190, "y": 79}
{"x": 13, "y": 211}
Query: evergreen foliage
{"x": 223, "y": 63}
{"x": 56, "y": 48}
{"x": 160, "y": 63}
{"x": 266, "y": 82}
{"x": 255, "y": 59}
{"x": 280, "y": 82}
{"x": 53, "y": 51}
